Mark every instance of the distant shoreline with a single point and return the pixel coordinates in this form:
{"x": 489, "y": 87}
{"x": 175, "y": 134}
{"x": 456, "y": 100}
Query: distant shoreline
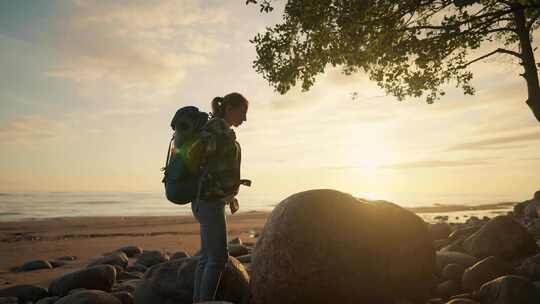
{"x": 438, "y": 208}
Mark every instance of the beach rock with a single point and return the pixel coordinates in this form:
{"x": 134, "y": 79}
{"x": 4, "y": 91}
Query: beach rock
{"x": 447, "y": 289}
{"x": 439, "y": 244}
{"x": 462, "y": 301}
{"x": 101, "y": 277}
{"x": 532, "y": 209}
{"x": 89, "y": 297}
{"x": 440, "y": 230}
{"x": 179, "y": 255}
{"x": 533, "y": 227}
{"x": 455, "y": 246}
{"x": 484, "y": 271}
{"x": 36, "y": 265}
{"x": 131, "y": 251}
{"x": 25, "y": 293}
{"x": 530, "y": 268}
{"x": 509, "y": 290}
{"x": 136, "y": 268}
{"x": 463, "y": 232}
{"x": 172, "y": 282}
{"x": 151, "y": 258}
{"x": 129, "y": 276}
{"x": 453, "y": 272}
{"x": 325, "y": 246}
{"x": 119, "y": 259}
{"x": 48, "y": 300}
{"x": 67, "y": 258}
{"x": 124, "y": 297}
{"x": 129, "y": 286}
{"x": 57, "y": 263}
{"x": 444, "y": 258}
{"x": 237, "y": 250}
{"x": 502, "y": 237}
{"x": 9, "y": 300}
{"x": 237, "y": 241}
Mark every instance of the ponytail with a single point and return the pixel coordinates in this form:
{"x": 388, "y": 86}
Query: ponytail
{"x": 220, "y": 103}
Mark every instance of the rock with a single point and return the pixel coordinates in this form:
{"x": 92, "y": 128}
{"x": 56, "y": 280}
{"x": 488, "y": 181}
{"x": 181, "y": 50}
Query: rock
{"x": 533, "y": 227}
{"x": 57, "y": 263}
{"x": 438, "y": 244}
{"x": 530, "y": 267}
{"x": 325, "y": 246}
{"x": 129, "y": 286}
{"x": 484, "y": 271}
{"x": 25, "y": 293}
{"x": 124, "y": 297}
{"x": 9, "y": 300}
{"x": 137, "y": 268}
{"x": 440, "y": 230}
{"x": 129, "y": 276}
{"x": 151, "y": 258}
{"x": 89, "y": 297}
{"x": 101, "y": 277}
{"x": 444, "y": 258}
{"x": 464, "y": 232}
{"x": 67, "y": 258}
{"x": 509, "y": 290}
{"x": 131, "y": 251}
{"x": 237, "y": 241}
{"x": 48, "y": 300}
{"x": 462, "y": 301}
{"x": 179, "y": 255}
{"x": 447, "y": 289}
{"x": 172, "y": 282}
{"x": 36, "y": 265}
{"x": 237, "y": 250}
{"x": 453, "y": 272}
{"x": 502, "y": 237}
{"x": 119, "y": 259}
{"x": 532, "y": 209}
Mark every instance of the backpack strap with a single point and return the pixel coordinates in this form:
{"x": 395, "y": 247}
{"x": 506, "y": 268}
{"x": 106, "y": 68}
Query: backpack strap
{"x": 168, "y": 154}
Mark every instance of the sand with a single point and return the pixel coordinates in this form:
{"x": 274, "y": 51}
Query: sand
{"x": 88, "y": 238}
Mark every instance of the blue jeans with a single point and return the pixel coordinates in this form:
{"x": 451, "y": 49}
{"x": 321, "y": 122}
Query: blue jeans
{"x": 214, "y": 255}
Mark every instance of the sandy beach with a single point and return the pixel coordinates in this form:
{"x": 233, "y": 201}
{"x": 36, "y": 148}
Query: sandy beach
{"x": 88, "y": 238}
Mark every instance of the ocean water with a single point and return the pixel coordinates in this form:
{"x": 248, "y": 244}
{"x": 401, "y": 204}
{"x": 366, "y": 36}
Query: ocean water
{"x": 43, "y": 205}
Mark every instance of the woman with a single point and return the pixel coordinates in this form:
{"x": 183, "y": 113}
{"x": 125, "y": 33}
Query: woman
{"x": 221, "y": 156}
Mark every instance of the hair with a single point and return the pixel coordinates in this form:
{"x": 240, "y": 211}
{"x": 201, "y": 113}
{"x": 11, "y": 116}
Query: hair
{"x": 219, "y": 104}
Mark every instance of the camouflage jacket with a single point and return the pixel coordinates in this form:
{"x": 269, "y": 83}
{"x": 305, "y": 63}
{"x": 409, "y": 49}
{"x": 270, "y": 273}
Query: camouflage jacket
{"x": 219, "y": 156}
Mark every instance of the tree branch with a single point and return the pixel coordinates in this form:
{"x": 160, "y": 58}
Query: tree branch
{"x": 499, "y": 50}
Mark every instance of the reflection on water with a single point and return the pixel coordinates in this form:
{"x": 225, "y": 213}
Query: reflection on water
{"x": 39, "y": 205}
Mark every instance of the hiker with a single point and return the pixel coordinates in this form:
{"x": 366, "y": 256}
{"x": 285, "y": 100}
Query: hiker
{"x": 221, "y": 155}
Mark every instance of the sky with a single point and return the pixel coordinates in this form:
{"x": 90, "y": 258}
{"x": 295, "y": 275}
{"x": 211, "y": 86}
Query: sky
{"x": 88, "y": 88}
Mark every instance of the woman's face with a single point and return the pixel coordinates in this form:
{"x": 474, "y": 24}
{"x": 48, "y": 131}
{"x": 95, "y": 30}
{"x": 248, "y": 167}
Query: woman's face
{"x": 235, "y": 116}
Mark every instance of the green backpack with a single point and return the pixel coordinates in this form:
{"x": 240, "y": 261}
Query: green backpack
{"x": 182, "y": 174}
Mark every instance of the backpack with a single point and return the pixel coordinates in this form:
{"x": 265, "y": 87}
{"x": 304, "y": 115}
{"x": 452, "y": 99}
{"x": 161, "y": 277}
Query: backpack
{"x": 181, "y": 175}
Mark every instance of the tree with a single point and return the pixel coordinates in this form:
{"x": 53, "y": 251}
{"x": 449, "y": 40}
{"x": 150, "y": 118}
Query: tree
{"x": 409, "y": 47}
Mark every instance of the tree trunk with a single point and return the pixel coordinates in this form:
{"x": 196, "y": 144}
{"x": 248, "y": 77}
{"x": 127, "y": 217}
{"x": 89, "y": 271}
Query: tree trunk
{"x": 528, "y": 62}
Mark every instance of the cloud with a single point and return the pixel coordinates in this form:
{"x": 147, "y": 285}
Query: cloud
{"x": 143, "y": 46}
{"x": 28, "y": 130}
{"x": 500, "y": 142}
{"x": 436, "y": 164}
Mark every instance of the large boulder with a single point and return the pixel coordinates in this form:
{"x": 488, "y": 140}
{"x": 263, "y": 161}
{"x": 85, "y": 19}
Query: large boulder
{"x": 172, "y": 283}
{"x": 440, "y": 230}
{"x": 530, "y": 267}
{"x": 89, "y": 297}
{"x": 325, "y": 246}
{"x": 101, "y": 277}
{"x": 484, "y": 271}
{"x": 444, "y": 258}
{"x": 509, "y": 290}
{"x": 25, "y": 293}
{"x": 503, "y": 237}
{"x": 131, "y": 251}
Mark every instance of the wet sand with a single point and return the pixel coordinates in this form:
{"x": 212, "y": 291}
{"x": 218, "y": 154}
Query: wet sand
{"x": 89, "y": 238}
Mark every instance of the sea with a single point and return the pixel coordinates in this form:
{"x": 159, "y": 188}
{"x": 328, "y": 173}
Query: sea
{"x": 17, "y": 206}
